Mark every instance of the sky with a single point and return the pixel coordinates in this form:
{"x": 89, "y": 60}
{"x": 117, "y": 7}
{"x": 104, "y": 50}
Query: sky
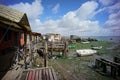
{"x": 71, "y": 17}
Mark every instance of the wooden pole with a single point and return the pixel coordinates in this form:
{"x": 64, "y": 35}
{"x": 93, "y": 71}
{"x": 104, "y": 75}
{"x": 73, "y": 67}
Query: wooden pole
{"x": 113, "y": 71}
{"x": 51, "y": 48}
{"x": 36, "y": 38}
{"x": 25, "y": 42}
{"x": 104, "y": 67}
{"x": 96, "y": 63}
{"x": 30, "y": 51}
{"x": 25, "y": 49}
{"x": 45, "y": 54}
{"x": 65, "y": 49}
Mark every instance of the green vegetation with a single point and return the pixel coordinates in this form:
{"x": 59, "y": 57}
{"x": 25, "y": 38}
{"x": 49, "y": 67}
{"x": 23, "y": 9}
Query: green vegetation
{"x": 95, "y": 43}
{"x": 79, "y": 67}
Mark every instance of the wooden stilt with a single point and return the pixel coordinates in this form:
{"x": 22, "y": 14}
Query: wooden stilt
{"x": 65, "y": 49}
{"x": 104, "y": 67}
{"x": 113, "y": 71}
{"x": 52, "y": 48}
{"x": 45, "y": 54}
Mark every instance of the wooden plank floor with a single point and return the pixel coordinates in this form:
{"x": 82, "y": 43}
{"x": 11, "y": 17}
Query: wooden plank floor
{"x": 13, "y": 74}
{"x": 39, "y": 74}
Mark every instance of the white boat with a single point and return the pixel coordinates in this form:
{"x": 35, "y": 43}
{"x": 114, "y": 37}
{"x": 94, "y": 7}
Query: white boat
{"x": 97, "y": 48}
{"x": 85, "y": 42}
{"x": 85, "y": 52}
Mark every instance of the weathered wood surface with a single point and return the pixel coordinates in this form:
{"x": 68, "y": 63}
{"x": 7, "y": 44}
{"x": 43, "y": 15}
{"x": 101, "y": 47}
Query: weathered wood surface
{"x": 61, "y": 47}
{"x": 102, "y": 64}
{"x": 39, "y": 74}
{"x": 13, "y": 75}
{"x": 54, "y": 47}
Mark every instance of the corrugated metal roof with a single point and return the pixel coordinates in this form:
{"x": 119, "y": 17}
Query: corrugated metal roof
{"x": 14, "y": 16}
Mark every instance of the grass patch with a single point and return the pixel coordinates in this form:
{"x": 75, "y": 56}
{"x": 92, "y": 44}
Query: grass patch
{"x": 94, "y": 43}
{"x": 104, "y": 45}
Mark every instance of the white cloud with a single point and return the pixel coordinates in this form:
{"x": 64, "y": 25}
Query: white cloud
{"x": 77, "y": 22}
{"x": 74, "y": 22}
{"x": 33, "y": 10}
{"x": 114, "y": 8}
{"x": 114, "y": 21}
{"x": 107, "y": 2}
{"x": 98, "y": 11}
{"x": 56, "y": 8}
{"x": 86, "y": 9}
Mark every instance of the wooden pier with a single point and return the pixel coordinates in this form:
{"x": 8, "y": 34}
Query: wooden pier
{"x": 106, "y": 65}
{"x": 60, "y": 47}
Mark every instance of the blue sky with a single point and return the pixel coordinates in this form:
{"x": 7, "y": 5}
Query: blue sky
{"x": 78, "y": 17}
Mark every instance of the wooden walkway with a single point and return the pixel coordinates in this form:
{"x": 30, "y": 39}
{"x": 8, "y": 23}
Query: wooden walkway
{"x": 46, "y": 73}
{"x": 13, "y": 74}
{"x": 39, "y": 74}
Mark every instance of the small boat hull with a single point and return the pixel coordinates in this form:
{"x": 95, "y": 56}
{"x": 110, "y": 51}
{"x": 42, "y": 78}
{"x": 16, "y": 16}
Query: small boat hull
{"x": 85, "y": 52}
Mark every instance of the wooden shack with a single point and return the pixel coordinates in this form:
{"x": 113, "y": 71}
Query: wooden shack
{"x": 36, "y": 37}
{"x": 14, "y": 27}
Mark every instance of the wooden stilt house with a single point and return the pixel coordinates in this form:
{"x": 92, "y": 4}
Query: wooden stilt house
{"x": 14, "y": 27}
{"x": 36, "y": 37}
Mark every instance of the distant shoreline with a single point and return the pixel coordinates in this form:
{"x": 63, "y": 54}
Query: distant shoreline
{"x": 104, "y": 38}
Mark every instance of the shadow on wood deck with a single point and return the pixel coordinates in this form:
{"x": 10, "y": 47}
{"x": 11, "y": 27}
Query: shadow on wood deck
{"x": 46, "y": 73}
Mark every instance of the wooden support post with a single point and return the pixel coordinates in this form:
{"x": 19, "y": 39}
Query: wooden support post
{"x": 65, "y": 49}
{"x": 113, "y": 71}
{"x": 52, "y": 48}
{"x": 36, "y": 38}
{"x": 25, "y": 50}
{"x": 97, "y": 63}
{"x": 118, "y": 71}
{"x": 45, "y": 54}
{"x": 104, "y": 67}
{"x": 117, "y": 60}
{"x": 30, "y": 44}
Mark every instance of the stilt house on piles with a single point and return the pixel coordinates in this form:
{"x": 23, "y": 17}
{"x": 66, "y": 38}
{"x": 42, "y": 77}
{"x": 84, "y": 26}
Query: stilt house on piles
{"x": 14, "y": 28}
